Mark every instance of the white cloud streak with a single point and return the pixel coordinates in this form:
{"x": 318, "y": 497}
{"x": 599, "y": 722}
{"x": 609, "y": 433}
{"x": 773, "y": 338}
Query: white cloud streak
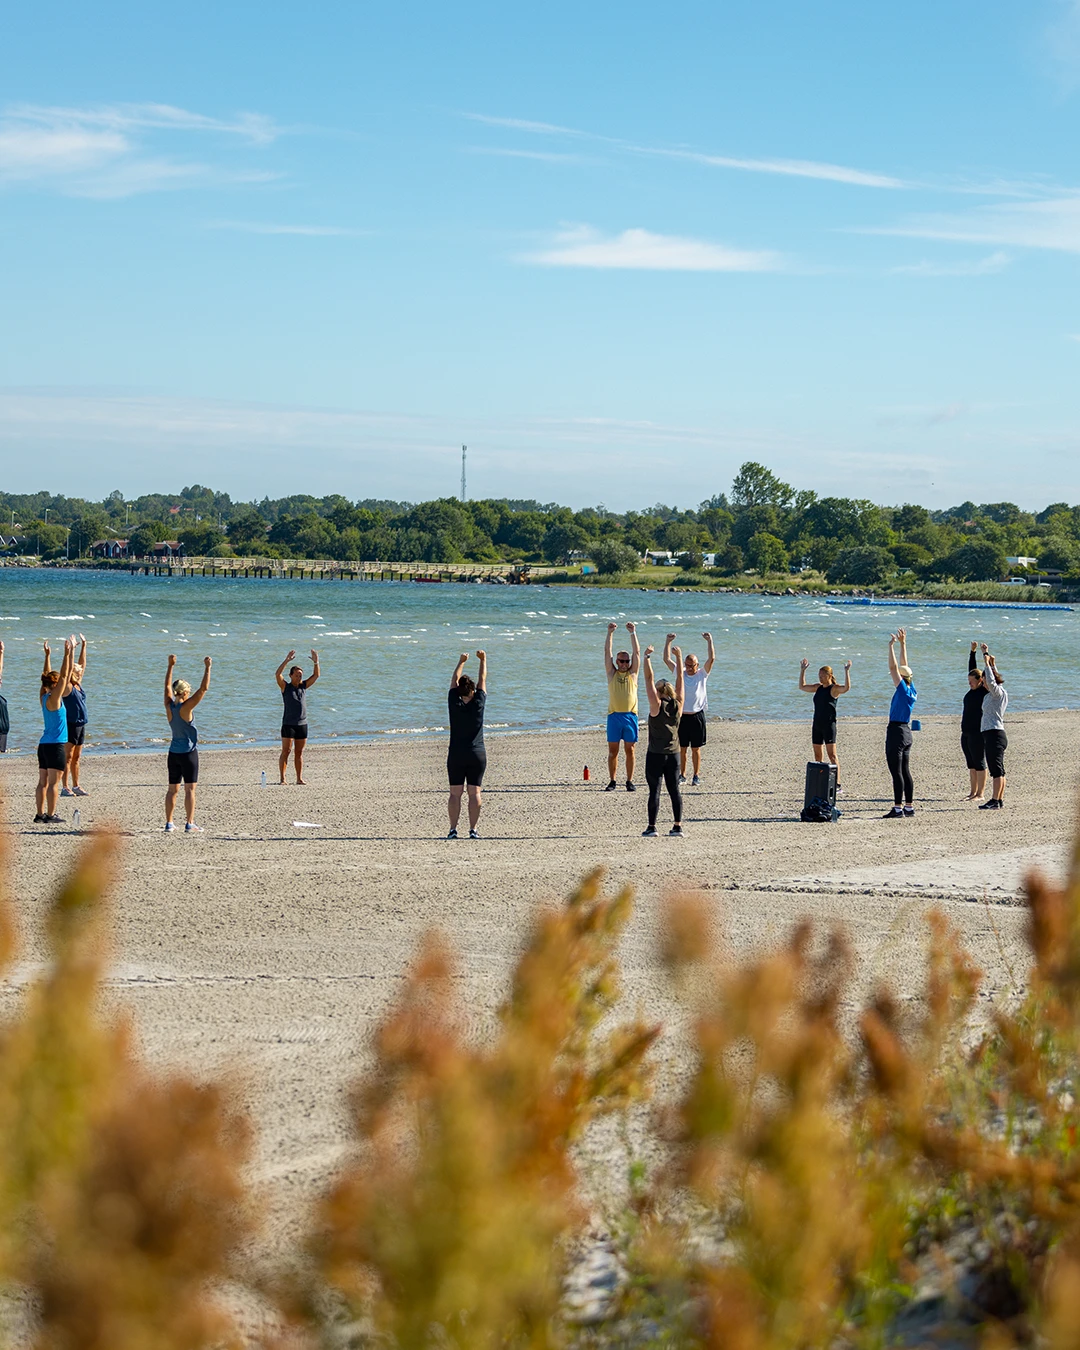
{"x": 1053, "y": 223}
{"x": 981, "y": 267}
{"x": 641, "y": 250}
{"x": 100, "y": 151}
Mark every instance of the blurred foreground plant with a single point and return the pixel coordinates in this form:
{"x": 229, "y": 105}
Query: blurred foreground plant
{"x": 446, "y": 1229}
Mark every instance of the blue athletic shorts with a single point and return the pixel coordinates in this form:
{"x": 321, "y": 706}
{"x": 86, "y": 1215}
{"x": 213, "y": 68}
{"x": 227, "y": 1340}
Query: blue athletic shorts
{"x": 622, "y": 727}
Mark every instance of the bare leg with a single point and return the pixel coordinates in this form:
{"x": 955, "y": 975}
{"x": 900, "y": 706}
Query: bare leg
{"x": 981, "y": 782}
{"x": 189, "y": 802}
{"x": 170, "y": 801}
{"x": 74, "y": 764}
{"x": 283, "y": 758}
{"x": 474, "y": 806}
{"x": 612, "y": 759}
{"x": 830, "y": 750}
{"x": 39, "y": 795}
{"x": 52, "y": 791}
{"x": 298, "y": 760}
{"x": 696, "y": 754}
{"x": 453, "y": 806}
{"x": 978, "y": 784}
{"x": 631, "y": 755}
{"x": 69, "y": 755}
{"x": 817, "y": 753}
{"x": 999, "y": 788}
{"x": 682, "y": 761}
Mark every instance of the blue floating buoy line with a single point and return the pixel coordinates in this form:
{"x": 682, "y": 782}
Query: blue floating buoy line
{"x": 949, "y": 604}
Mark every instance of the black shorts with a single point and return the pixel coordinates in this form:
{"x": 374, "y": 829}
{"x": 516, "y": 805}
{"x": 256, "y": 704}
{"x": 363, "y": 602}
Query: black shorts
{"x": 994, "y": 742}
{"x": 294, "y": 731}
{"x": 466, "y": 766}
{"x": 77, "y": 735}
{"x": 692, "y": 731}
{"x": 183, "y": 767}
{"x": 52, "y": 755}
{"x": 823, "y": 733}
{"x": 971, "y": 743}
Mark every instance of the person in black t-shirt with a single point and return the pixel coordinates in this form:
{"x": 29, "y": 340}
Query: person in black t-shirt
{"x": 466, "y": 759}
{"x": 294, "y": 726}
{"x": 971, "y": 737}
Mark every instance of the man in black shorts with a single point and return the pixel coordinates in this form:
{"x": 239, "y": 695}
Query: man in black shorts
{"x": 467, "y": 756}
{"x": 294, "y": 718}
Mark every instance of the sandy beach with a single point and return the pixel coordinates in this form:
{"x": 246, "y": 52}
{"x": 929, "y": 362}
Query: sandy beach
{"x": 267, "y": 949}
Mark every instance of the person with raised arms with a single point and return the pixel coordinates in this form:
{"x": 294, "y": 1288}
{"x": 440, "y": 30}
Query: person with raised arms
{"x": 898, "y": 732}
{"x": 294, "y": 723}
{"x": 466, "y": 759}
{"x": 971, "y": 737}
{"x": 52, "y": 748}
{"x": 692, "y": 728}
{"x": 5, "y": 721}
{"x": 622, "y": 721}
{"x": 75, "y": 708}
{"x": 180, "y": 705}
{"x": 661, "y": 761}
{"x": 823, "y": 729}
{"x": 993, "y": 729}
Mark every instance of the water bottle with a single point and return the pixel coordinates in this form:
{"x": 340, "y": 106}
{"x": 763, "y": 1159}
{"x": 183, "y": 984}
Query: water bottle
{"x": 76, "y": 818}
{"x": 586, "y": 773}
{"x": 262, "y": 778}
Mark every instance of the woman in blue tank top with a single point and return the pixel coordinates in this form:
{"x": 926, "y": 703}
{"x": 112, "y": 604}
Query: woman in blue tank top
{"x": 180, "y": 705}
{"x": 52, "y": 748}
{"x": 898, "y": 732}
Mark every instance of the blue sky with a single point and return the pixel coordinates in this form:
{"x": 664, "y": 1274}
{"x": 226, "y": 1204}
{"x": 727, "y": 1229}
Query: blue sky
{"x": 616, "y": 248}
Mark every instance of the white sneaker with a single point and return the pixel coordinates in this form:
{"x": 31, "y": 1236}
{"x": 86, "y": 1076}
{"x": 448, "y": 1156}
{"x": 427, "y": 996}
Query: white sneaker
{"x": 66, "y": 792}
{"x": 169, "y": 827}
{"x": 79, "y": 792}
{"x": 191, "y": 828}
{"x": 696, "y": 782}
{"x": 682, "y": 778}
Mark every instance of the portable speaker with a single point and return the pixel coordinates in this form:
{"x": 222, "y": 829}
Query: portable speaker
{"x": 820, "y": 783}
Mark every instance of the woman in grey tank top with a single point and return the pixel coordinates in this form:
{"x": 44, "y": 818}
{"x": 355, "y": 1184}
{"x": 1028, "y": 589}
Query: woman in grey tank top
{"x": 294, "y": 714}
{"x": 662, "y": 756}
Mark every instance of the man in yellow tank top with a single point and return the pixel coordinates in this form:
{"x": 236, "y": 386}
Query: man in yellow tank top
{"x": 622, "y": 723}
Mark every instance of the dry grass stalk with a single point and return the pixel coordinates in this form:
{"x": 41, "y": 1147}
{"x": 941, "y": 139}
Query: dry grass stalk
{"x": 448, "y": 1225}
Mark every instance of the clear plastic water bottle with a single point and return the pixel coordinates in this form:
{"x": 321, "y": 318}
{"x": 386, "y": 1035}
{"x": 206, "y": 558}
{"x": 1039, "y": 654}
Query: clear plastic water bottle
{"x": 262, "y": 778}
{"x": 76, "y": 818}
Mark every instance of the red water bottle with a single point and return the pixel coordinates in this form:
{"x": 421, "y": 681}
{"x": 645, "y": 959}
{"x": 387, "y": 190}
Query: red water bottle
{"x": 586, "y": 773}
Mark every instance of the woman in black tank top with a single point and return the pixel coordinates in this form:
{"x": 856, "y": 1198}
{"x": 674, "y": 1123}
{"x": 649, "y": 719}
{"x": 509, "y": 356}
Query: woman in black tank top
{"x": 826, "y": 691}
{"x": 662, "y": 755}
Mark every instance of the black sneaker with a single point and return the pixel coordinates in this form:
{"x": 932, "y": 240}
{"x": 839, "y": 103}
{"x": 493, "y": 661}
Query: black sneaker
{"x": 909, "y": 810}
{"x": 474, "y": 834}
{"x": 611, "y": 786}
{"x": 992, "y": 805}
{"x": 52, "y": 820}
{"x": 39, "y": 819}
{"x": 650, "y": 833}
{"x": 631, "y": 787}
{"x": 452, "y": 834}
{"x": 897, "y": 813}
{"x": 676, "y": 830}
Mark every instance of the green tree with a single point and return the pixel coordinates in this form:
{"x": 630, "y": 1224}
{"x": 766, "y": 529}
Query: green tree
{"x": 756, "y": 485}
{"x": 766, "y": 553}
{"x": 611, "y": 556}
{"x": 143, "y": 537}
{"x": 866, "y": 565}
{"x": 247, "y": 532}
{"x": 910, "y": 556}
{"x": 976, "y": 560}
{"x": 563, "y": 539}
{"x": 1058, "y": 554}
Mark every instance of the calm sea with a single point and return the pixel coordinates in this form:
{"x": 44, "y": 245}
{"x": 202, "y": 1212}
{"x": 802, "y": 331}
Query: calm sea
{"x": 388, "y": 649}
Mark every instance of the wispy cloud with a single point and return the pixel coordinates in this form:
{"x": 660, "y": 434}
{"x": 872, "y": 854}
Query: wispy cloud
{"x": 102, "y": 151}
{"x": 641, "y": 250}
{"x": 1062, "y": 42}
{"x": 980, "y": 267}
{"x": 260, "y": 227}
{"x": 1053, "y": 223}
{"x": 792, "y": 168}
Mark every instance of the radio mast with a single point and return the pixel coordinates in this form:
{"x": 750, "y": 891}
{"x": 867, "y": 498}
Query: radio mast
{"x": 464, "y": 448}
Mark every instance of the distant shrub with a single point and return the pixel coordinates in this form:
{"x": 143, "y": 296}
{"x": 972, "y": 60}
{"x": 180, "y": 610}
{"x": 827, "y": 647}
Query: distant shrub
{"x": 611, "y": 557}
{"x": 767, "y": 553}
{"x": 864, "y": 566}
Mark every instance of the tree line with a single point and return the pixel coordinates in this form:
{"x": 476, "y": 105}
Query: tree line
{"x": 761, "y": 523}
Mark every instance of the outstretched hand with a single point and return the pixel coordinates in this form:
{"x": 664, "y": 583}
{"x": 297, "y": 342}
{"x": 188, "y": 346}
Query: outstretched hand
{"x": 847, "y": 665}
{"x": 481, "y": 655}
{"x": 631, "y": 627}
{"x": 670, "y": 637}
{"x": 677, "y": 654}
{"x": 289, "y": 656}
{"x": 172, "y": 659}
{"x": 707, "y": 637}
{"x": 901, "y": 633}
{"x": 611, "y": 627}
{"x": 974, "y": 646}
{"x": 207, "y": 661}
{"x": 46, "y": 646}
{"x": 463, "y": 658}
{"x": 315, "y": 656}
{"x": 804, "y": 662}
{"x": 649, "y": 651}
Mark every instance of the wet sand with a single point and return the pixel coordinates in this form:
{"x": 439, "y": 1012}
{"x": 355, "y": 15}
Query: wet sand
{"x": 268, "y": 950}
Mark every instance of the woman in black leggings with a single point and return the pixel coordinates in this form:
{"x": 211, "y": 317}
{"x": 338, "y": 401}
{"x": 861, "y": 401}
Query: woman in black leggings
{"x": 898, "y": 732}
{"x": 662, "y": 756}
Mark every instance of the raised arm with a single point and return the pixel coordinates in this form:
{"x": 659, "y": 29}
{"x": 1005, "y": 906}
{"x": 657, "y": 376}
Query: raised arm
{"x": 635, "y": 649}
{"x": 667, "y": 651}
{"x": 82, "y": 653}
{"x": 892, "y": 659}
{"x": 315, "y": 673}
{"x": 279, "y": 674}
{"x": 190, "y": 704}
{"x": 458, "y": 669}
{"x": 1, "y": 660}
{"x": 990, "y": 670}
{"x": 844, "y": 688}
{"x": 168, "y": 684}
{"x": 48, "y": 658}
{"x": 481, "y": 679}
{"x": 650, "y": 683}
{"x": 806, "y": 688}
{"x": 680, "y": 687}
{"x": 609, "y": 659}
{"x": 56, "y": 694}
{"x": 901, "y": 634}
{"x": 973, "y": 664}
{"x": 712, "y": 653}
